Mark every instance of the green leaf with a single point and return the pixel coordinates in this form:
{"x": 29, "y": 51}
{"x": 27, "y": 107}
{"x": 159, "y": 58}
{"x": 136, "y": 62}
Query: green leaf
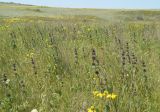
{"x": 107, "y": 108}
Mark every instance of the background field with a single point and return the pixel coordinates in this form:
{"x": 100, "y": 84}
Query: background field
{"x": 53, "y": 59}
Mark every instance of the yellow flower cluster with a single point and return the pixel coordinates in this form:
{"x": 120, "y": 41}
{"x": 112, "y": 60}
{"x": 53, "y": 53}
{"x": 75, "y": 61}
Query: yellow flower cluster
{"x": 11, "y": 20}
{"x": 112, "y": 96}
{"x": 104, "y": 94}
{"x": 3, "y": 27}
{"x": 15, "y": 20}
{"x": 92, "y": 109}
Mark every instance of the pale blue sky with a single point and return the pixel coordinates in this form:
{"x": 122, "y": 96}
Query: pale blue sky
{"x": 141, "y": 4}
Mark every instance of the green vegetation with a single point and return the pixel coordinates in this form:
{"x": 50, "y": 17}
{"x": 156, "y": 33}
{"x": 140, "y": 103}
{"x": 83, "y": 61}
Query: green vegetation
{"x": 79, "y": 60}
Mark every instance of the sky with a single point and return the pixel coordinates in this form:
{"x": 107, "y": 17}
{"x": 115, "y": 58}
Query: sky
{"x": 126, "y": 4}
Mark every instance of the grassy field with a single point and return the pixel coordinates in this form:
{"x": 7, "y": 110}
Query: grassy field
{"x": 79, "y": 60}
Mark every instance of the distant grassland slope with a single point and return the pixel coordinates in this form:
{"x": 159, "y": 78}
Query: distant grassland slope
{"x": 16, "y": 10}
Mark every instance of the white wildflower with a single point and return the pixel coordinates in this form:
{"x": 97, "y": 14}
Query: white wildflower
{"x": 7, "y": 81}
{"x": 34, "y": 110}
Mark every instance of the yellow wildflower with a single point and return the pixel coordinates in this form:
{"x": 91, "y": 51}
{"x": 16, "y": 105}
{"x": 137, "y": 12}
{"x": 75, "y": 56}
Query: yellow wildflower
{"x": 106, "y": 92}
{"x": 95, "y": 93}
{"x": 91, "y": 109}
{"x": 100, "y": 95}
{"x": 109, "y": 96}
{"x": 112, "y": 96}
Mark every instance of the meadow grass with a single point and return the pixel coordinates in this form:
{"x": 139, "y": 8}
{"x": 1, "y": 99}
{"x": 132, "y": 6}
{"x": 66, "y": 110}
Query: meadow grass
{"x": 79, "y": 64}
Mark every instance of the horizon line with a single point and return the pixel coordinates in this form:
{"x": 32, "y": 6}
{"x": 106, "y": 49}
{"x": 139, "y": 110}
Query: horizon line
{"x": 50, "y": 6}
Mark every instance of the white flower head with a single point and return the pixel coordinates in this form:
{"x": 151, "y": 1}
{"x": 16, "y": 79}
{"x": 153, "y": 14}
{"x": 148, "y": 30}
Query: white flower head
{"x": 7, "y": 81}
{"x": 34, "y": 110}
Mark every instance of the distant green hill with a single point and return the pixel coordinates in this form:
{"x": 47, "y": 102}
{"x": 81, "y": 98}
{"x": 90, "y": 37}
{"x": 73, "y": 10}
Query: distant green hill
{"x": 12, "y": 3}
{"x": 16, "y": 10}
